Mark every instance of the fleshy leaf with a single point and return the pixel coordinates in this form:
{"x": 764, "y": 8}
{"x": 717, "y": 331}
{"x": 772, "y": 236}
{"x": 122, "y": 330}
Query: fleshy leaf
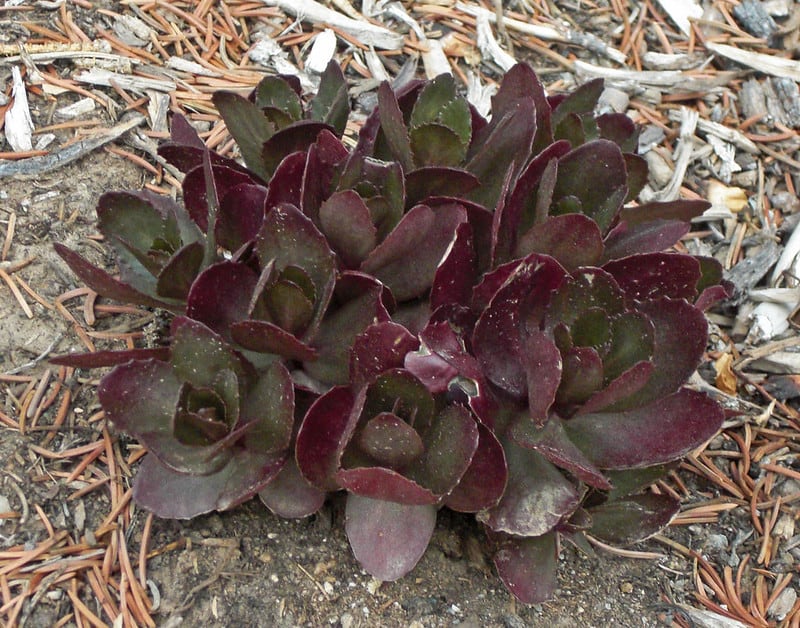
{"x": 647, "y": 237}
{"x": 382, "y": 484}
{"x": 388, "y": 539}
{"x": 103, "y": 283}
{"x": 357, "y": 304}
{"x": 97, "y": 359}
{"x": 633, "y": 518}
{"x": 198, "y": 353}
{"x": 393, "y": 126}
{"x": 178, "y": 274}
{"x": 594, "y": 173}
{"x": 450, "y": 444}
{"x": 266, "y": 337}
{"x": 454, "y": 277}
{"x": 221, "y": 294}
{"x": 552, "y": 442}
{"x": 572, "y": 239}
{"x": 660, "y": 432}
{"x": 527, "y": 566}
{"x": 247, "y": 125}
{"x": 268, "y": 411}
{"x": 653, "y": 275}
{"x": 439, "y": 181}
{"x": 582, "y": 376}
{"x": 195, "y": 190}
{"x": 173, "y": 495}
{"x": 331, "y": 104}
{"x": 390, "y": 441}
{"x": 496, "y": 339}
{"x": 404, "y": 266}
{"x": 484, "y": 481}
{"x": 542, "y": 363}
{"x": 537, "y": 495}
{"x": 346, "y": 221}
{"x": 325, "y": 430}
{"x": 682, "y": 210}
{"x": 289, "y": 495}
{"x": 298, "y": 136}
{"x": 581, "y": 101}
{"x": 378, "y": 348}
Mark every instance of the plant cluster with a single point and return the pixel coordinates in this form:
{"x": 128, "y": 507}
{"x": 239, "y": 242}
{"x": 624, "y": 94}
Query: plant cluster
{"x": 454, "y": 312}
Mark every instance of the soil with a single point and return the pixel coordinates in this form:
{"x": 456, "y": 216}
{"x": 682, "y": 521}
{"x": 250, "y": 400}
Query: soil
{"x": 248, "y": 567}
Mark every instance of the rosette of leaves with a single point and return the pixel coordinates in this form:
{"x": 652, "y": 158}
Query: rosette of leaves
{"x": 216, "y": 431}
{"x": 398, "y": 450}
{"x": 471, "y": 314}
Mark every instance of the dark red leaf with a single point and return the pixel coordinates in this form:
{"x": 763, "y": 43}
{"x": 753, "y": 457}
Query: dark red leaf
{"x": 527, "y": 566}
{"x": 633, "y": 518}
{"x": 572, "y": 239}
{"x": 221, "y": 295}
{"x": 387, "y": 538}
{"x": 484, "y": 481}
{"x": 654, "y": 275}
{"x": 289, "y": 495}
{"x": 662, "y": 431}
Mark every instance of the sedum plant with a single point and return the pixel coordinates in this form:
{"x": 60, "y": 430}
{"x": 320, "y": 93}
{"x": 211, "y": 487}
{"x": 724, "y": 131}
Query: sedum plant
{"x": 454, "y": 312}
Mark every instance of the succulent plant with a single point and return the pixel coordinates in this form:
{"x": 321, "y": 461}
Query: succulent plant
{"x": 455, "y": 312}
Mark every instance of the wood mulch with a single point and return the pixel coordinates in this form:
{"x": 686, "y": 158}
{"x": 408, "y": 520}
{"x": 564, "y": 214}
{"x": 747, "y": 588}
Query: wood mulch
{"x": 715, "y": 92}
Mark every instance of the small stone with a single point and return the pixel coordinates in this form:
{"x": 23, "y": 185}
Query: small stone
{"x": 346, "y": 620}
{"x": 626, "y": 587}
{"x": 784, "y": 603}
{"x": 715, "y": 543}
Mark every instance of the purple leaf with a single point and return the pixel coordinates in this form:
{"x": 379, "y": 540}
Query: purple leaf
{"x": 249, "y": 127}
{"x": 390, "y": 441}
{"x": 638, "y": 172}
{"x": 285, "y": 185}
{"x": 594, "y": 173}
{"x": 536, "y": 498}
{"x": 496, "y": 339}
{"x": 582, "y": 376}
{"x": 618, "y": 128}
{"x": 587, "y": 289}
{"x": 265, "y": 337}
{"x": 519, "y": 212}
{"x": 484, "y": 481}
{"x": 528, "y": 566}
{"x": 268, "y": 411}
{"x": 324, "y": 159}
{"x": 324, "y": 432}
{"x": 331, "y": 103}
{"x": 178, "y": 274}
{"x": 195, "y": 193}
{"x": 541, "y": 361}
{"x": 633, "y": 518}
{"x": 104, "y": 284}
{"x": 241, "y": 213}
{"x": 401, "y": 263}
{"x": 572, "y": 239}
{"x": 289, "y": 238}
{"x": 182, "y": 132}
{"x": 98, "y": 359}
{"x": 552, "y": 442}
{"x": 626, "y": 384}
{"x": 424, "y": 183}
{"x": 680, "y": 338}
{"x": 582, "y": 100}
{"x": 653, "y": 275}
{"x": 450, "y": 444}
{"x": 381, "y": 483}
{"x": 393, "y": 126}
{"x": 173, "y": 495}
{"x": 506, "y": 146}
{"x": 378, "y": 348}
{"x": 388, "y": 539}
{"x": 290, "y": 496}
{"x": 221, "y": 295}
{"x": 291, "y": 139}
{"x": 647, "y": 237}
{"x": 454, "y": 277}
{"x": 347, "y": 223}
{"x": 662, "y": 431}
{"x": 682, "y": 210}
{"x": 358, "y": 303}
{"x": 199, "y": 354}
